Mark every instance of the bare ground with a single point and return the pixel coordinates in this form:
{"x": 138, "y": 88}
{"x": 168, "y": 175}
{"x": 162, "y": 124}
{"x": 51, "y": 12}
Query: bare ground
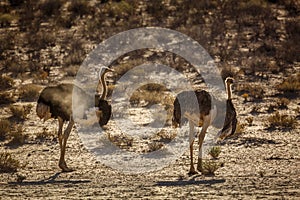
{"x": 258, "y": 164}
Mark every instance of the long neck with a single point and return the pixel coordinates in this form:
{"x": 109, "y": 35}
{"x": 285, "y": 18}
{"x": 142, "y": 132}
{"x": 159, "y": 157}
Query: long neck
{"x": 228, "y": 88}
{"x": 103, "y": 84}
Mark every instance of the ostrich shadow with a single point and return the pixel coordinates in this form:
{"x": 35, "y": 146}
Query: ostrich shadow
{"x": 50, "y": 180}
{"x": 192, "y": 181}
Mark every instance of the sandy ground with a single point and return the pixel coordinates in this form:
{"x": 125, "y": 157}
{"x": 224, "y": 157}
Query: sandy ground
{"x": 258, "y": 164}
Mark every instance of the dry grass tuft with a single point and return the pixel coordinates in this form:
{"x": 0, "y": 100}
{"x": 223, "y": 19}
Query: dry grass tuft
{"x": 4, "y": 128}
{"x": 6, "y": 97}
{"x": 7, "y": 163}
{"x": 29, "y": 92}
{"x": 20, "y": 112}
{"x": 17, "y": 136}
{"x": 278, "y": 120}
{"x": 291, "y": 84}
{"x": 6, "y": 82}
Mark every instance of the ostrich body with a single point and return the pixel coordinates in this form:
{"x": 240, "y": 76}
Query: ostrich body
{"x": 203, "y": 117}
{"x": 56, "y": 102}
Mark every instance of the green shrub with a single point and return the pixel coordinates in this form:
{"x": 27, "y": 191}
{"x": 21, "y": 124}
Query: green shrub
{"x": 215, "y": 152}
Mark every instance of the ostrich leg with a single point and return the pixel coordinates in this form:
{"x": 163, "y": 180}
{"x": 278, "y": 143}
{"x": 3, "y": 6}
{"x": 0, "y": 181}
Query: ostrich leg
{"x": 206, "y": 123}
{"x": 191, "y": 141}
{"x": 63, "y": 142}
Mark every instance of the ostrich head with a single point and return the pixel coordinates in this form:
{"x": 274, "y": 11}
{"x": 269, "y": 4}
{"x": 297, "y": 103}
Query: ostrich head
{"x": 43, "y": 111}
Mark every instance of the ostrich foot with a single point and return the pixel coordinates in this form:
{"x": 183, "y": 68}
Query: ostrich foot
{"x": 192, "y": 171}
{"x": 64, "y": 167}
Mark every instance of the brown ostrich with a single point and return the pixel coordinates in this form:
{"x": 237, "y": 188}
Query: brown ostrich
{"x": 203, "y": 117}
{"x": 56, "y": 102}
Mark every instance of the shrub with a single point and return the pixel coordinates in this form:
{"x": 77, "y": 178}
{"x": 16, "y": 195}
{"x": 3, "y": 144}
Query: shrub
{"x": 45, "y": 134}
{"x": 4, "y": 128}
{"x": 278, "y": 120}
{"x": 291, "y": 84}
{"x": 256, "y": 91}
{"x": 6, "y": 19}
{"x": 209, "y": 167}
{"x": 240, "y": 128}
{"x": 79, "y": 7}
{"x": 7, "y": 163}
{"x": 6, "y": 98}
{"x": 20, "y": 112}
{"x": 29, "y": 92}
{"x": 17, "y": 136}
{"x": 6, "y": 82}
{"x": 215, "y": 152}
{"x": 50, "y": 7}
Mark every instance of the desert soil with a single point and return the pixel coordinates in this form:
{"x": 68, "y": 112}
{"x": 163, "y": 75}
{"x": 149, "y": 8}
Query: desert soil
{"x": 257, "y": 164}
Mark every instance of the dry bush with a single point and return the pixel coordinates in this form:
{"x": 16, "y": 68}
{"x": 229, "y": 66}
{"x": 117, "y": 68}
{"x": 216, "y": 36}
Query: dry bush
{"x": 29, "y": 92}
{"x": 45, "y": 134}
{"x": 154, "y": 146}
{"x": 4, "y": 128}
{"x": 240, "y": 128}
{"x": 7, "y": 163}
{"x": 6, "y": 98}
{"x": 285, "y": 121}
{"x": 71, "y": 70}
{"x": 40, "y": 40}
{"x": 6, "y": 19}
{"x": 256, "y": 91}
{"x": 20, "y": 112}
{"x": 6, "y": 82}
{"x": 17, "y": 136}
{"x": 283, "y": 103}
{"x": 50, "y": 7}
{"x": 123, "y": 67}
{"x": 214, "y": 152}
{"x": 76, "y": 54}
{"x": 79, "y": 8}
{"x": 209, "y": 167}
{"x": 121, "y": 9}
{"x": 291, "y": 84}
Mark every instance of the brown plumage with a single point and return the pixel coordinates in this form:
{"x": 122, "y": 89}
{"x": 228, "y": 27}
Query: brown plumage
{"x": 201, "y": 113}
{"x": 56, "y": 102}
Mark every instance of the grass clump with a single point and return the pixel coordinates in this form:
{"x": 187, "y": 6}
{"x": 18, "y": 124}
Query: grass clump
{"x": 291, "y": 84}
{"x": 7, "y": 163}
{"x": 209, "y": 167}
{"x": 214, "y": 152}
{"x": 6, "y": 97}
{"x": 278, "y": 120}
{"x": 17, "y": 136}
{"x": 6, "y": 82}
{"x": 4, "y": 128}
{"x": 20, "y": 112}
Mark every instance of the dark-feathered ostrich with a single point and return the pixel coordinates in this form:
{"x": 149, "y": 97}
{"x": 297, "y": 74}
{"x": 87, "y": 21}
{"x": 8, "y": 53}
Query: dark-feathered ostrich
{"x": 203, "y": 117}
{"x": 56, "y": 102}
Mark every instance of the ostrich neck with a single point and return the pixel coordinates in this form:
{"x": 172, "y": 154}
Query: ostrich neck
{"x": 228, "y": 88}
{"x": 104, "y": 87}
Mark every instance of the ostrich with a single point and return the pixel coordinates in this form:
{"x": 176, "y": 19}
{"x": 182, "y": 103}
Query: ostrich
{"x": 56, "y": 102}
{"x": 203, "y": 117}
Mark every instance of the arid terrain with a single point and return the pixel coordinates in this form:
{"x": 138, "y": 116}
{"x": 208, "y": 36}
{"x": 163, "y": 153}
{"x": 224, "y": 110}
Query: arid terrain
{"x": 256, "y": 42}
